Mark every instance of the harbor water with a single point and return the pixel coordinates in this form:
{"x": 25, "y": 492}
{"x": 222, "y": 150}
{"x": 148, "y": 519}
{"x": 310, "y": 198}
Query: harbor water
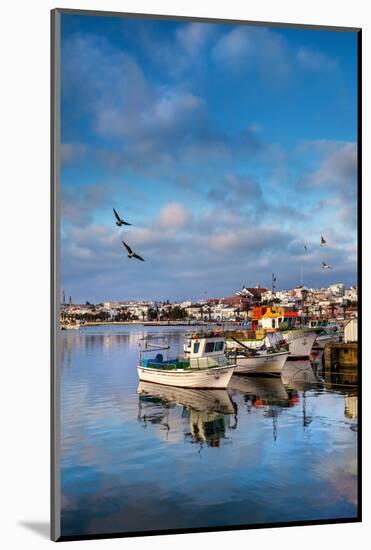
{"x": 138, "y": 457}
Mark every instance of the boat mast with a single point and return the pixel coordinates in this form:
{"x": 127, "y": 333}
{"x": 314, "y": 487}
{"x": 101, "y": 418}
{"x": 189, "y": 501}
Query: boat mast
{"x": 273, "y": 286}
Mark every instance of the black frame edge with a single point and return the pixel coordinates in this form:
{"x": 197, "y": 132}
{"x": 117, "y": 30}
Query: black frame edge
{"x": 167, "y": 532}
{"x": 359, "y": 264}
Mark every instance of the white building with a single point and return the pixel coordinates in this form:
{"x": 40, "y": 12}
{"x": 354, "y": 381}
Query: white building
{"x": 351, "y": 294}
{"x": 337, "y": 289}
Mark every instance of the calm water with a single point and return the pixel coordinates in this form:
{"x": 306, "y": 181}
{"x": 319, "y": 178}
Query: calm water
{"x": 153, "y": 457}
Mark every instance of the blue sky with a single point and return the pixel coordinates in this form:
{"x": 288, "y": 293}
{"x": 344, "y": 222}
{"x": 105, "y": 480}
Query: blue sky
{"x": 228, "y": 147}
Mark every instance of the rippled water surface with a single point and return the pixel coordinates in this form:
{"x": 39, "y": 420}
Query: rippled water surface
{"x": 138, "y": 457}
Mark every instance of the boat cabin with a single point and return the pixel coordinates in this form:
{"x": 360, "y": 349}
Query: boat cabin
{"x": 204, "y": 345}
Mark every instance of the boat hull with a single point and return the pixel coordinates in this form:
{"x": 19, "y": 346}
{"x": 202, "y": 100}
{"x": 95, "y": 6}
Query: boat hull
{"x": 263, "y": 364}
{"x": 321, "y": 341}
{"x": 216, "y": 377}
{"x": 300, "y": 342}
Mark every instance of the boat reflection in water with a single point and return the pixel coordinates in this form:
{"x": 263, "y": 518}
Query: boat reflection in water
{"x": 300, "y": 376}
{"x": 162, "y": 458}
{"x": 208, "y": 413}
{"x": 265, "y": 389}
{"x": 266, "y": 393}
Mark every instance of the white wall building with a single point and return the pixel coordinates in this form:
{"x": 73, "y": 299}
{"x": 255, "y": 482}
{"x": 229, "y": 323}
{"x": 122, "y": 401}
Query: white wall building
{"x": 336, "y": 289}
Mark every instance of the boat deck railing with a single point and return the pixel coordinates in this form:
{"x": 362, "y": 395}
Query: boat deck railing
{"x": 210, "y": 362}
{"x": 194, "y": 363}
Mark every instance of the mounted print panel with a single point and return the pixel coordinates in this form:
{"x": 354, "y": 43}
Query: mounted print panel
{"x": 205, "y": 191}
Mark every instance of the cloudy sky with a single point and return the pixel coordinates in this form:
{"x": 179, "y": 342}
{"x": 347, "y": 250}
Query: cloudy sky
{"x": 228, "y": 147}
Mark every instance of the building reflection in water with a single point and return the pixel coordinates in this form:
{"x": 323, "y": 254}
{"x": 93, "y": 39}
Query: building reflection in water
{"x": 351, "y": 406}
{"x": 344, "y": 380}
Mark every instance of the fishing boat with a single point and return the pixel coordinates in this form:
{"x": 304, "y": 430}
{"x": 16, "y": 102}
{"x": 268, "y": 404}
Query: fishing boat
{"x": 262, "y": 361}
{"x": 326, "y": 332}
{"x": 300, "y": 342}
{"x": 290, "y": 325}
{"x": 203, "y": 364}
{"x": 325, "y": 337}
{"x": 266, "y": 359}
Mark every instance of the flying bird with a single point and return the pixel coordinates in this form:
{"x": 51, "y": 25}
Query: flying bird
{"x": 305, "y": 248}
{"x": 119, "y": 221}
{"x": 132, "y": 254}
{"x": 326, "y": 266}
{"x": 323, "y": 242}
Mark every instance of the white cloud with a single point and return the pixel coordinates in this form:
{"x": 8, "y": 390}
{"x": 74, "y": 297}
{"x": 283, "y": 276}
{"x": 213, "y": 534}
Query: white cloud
{"x": 173, "y": 215}
{"x": 192, "y": 37}
{"x": 246, "y": 46}
{"x": 338, "y": 167}
{"x": 316, "y": 60}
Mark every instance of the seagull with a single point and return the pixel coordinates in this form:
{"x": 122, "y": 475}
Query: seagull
{"x": 305, "y": 248}
{"x": 131, "y": 254}
{"x": 323, "y": 242}
{"x": 326, "y": 266}
{"x": 119, "y": 221}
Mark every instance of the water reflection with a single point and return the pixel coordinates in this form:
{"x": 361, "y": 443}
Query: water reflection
{"x": 205, "y": 414}
{"x": 267, "y": 393}
{"x": 300, "y": 375}
{"x": 264, "y": 450}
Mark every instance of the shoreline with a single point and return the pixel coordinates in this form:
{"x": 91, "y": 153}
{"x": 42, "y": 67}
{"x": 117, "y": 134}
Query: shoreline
{"x": 151, "y": 323}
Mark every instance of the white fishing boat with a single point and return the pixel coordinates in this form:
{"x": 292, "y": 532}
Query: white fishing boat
{"x": 324, "y": 338}
{"x": 263, "y": 362}
{"x": 289, "y": 326}
{"x": 300, "y": 342}
{"x": 249, "y": 339}
{"x": 325, "y": 332}
{"x": 203, "y": 365}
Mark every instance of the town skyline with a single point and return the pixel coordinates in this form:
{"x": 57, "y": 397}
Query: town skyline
{"x": 325, "y": 303}
{"x": 67, "y": 298}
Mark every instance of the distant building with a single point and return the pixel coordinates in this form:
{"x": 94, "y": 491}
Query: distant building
{"x": 337, "y": 289}
{"x": 196, "y": 311}
{"x": 236, "y": 301}
{"x": 351, "y": 294}
{"x": 252, "y": 294}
